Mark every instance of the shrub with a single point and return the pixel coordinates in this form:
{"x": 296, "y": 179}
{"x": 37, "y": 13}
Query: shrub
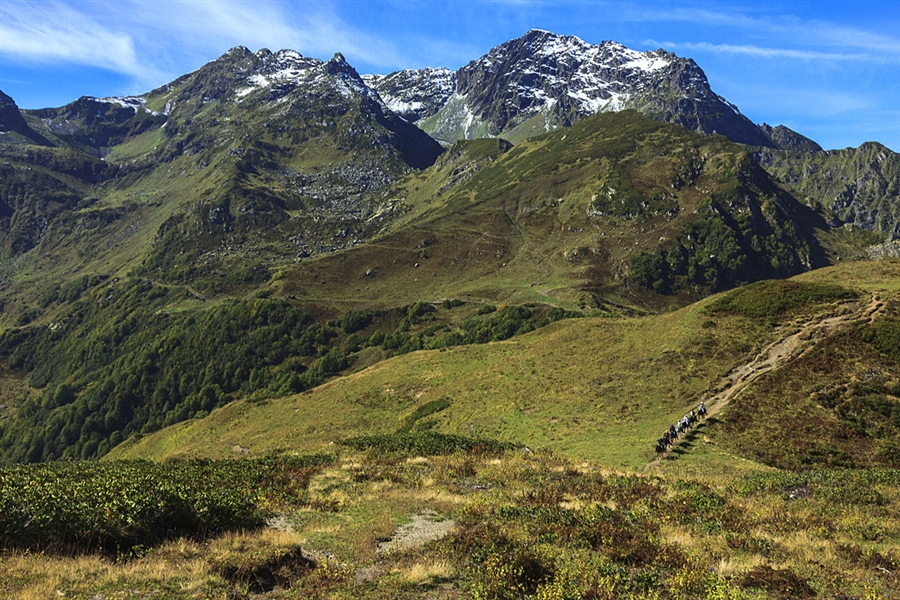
{"x": 426, "y": 443}
{"x": 114, "y": 507}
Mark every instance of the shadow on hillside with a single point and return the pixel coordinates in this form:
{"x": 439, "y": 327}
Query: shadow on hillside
{"x": 688, "y": 441}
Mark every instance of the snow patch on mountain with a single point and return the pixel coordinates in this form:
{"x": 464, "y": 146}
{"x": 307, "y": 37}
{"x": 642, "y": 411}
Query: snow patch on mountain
{"x": 565, "y": 79}
{"x": 136, "y": 103}
{"x": 285, "y": 66}
{"x": 414, "y": 94}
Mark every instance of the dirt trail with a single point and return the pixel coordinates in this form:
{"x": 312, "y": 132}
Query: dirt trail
{"x": 778, "y": 354}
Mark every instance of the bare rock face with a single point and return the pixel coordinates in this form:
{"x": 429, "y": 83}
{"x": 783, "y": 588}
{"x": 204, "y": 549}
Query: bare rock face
{"x": 542, "y": 81}
{"x": 415, "y": 94}
{"x": 856, "y": 186}
{"x": 784, "y": 138}
{"x": 10, "y": 117}
{"x": 12, "y": 122}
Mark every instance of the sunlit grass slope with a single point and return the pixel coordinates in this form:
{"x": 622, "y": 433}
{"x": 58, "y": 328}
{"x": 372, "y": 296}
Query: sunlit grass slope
{"x": 562, "y": 217}
{"x": 593, "y": 387}
{"x": 598, "y": 388}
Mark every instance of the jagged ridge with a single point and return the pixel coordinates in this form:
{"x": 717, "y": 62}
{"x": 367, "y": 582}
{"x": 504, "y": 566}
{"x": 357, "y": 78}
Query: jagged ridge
{"x": 558, "y": 80}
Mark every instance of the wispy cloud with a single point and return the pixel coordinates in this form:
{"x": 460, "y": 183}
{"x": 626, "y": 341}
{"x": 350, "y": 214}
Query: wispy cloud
{"x": 763, "y": 52}
{"x": 51, "y": 31}
{"x": 154, "y": 40}
{"x": 313, "y": 29}
{"x": 808, "y": 39}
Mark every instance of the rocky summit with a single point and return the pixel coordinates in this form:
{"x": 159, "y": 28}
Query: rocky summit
{"x": 542, "y": 81}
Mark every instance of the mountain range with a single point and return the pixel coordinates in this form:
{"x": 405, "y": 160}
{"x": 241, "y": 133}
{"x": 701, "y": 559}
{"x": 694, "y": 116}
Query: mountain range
{"x": 552, "y": 175}
{"x": 276, "y": 329}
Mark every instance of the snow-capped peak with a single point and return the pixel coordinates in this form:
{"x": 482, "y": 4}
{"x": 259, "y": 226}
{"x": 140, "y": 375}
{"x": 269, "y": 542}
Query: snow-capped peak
{"x": 562, "y": 78}
{"x": 414, "y": 93}
{"x": 136, "y": 103}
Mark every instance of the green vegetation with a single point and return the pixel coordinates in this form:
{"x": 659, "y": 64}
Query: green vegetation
{"x": 841, "y": 398}
{"x": 749, "y": 230}
{"x": 864, "y": 179}
{"x": 514, "y": 525}
{"x": 115, "y": 507}
{"x": 772, "y": 300}
{"x": 422, "y": 444}
{"x": 595, "y": 387}
{"x": 426, "y": 410}
{"x": 119, "y": 361}
{"x": 117, "y": 364}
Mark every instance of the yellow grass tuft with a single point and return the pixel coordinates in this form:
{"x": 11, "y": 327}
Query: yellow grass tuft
{"x": 426, "y": 573}
{"x": 738, "y": 564}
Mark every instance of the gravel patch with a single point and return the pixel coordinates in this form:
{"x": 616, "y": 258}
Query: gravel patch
{"x": 422, "y": 528}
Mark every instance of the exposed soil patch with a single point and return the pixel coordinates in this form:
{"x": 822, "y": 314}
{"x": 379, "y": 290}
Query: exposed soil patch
{"x": 423, "y": 528}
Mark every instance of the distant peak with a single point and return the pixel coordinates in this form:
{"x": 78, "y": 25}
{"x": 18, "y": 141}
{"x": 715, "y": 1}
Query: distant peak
{"x": 338, "y": 65}
{"x": 542, "y": 36}
{"x": 291, "y": 54}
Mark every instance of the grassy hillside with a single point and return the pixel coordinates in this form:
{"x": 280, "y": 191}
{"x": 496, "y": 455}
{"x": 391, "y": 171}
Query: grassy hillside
{"x": 598, "y": 388}
{"x": 746, "y": 507}
{"x": 602, "y": 214}
{"x": 487, "y": 524}
{"x": 132, "y": 356}
{"x": 617, "y": 214}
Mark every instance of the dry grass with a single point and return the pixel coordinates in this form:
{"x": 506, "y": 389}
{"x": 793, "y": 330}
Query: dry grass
{"x": 540, "y": 521}
{"x": 39, "y": 577}
{"x": 426, "y": 573}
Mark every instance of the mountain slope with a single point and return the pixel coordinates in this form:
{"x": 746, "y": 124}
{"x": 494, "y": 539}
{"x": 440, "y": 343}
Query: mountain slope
{"x": 273, "y": 207}
{"x": 563, "y": 217}
{"x": 543, "y": 81}
{"x": 255, "y": 156}
{"x": 604, "y": 389}
{"x": 13, "y": 126}
{"x": 559, "y": 220}
{"x": 859, "y": 186}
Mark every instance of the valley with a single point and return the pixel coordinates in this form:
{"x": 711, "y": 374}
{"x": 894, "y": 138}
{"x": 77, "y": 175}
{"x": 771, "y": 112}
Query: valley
{"x": 279, "y": 330}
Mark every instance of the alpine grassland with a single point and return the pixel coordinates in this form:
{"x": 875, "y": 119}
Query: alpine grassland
{"x": 515, "y": 523}
{"x": 175, "y": 286}
{"x": 481, "y": 471}
{"x": 294, "y": 349}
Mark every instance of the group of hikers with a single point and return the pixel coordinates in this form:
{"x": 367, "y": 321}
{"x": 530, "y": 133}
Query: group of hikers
{"x": 677, "y": 430}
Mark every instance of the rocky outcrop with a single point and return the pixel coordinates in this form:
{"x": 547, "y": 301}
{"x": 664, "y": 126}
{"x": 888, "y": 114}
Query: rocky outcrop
{"x": 784, "y": 138}
{"x": 12, "y": 122}
{"x": 415, "y": 94}
{"x": 860, "y": 186}
{"x": 556, "y": 80}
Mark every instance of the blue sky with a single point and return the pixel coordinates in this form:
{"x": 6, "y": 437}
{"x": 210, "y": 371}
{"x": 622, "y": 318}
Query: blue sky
{"x": 829, "y": 70}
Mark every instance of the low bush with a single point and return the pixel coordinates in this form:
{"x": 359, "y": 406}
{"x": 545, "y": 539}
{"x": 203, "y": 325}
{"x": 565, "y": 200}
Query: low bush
{"x": 116, "y": 507}
{"x": 426, "y": 443}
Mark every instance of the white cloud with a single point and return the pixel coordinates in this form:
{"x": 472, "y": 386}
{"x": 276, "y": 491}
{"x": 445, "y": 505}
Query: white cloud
{"x": 763, "y": 52}
{"x": 53, "y": 32}
{"x": 833, "y": 41}
{"x": 154, "y": 40}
